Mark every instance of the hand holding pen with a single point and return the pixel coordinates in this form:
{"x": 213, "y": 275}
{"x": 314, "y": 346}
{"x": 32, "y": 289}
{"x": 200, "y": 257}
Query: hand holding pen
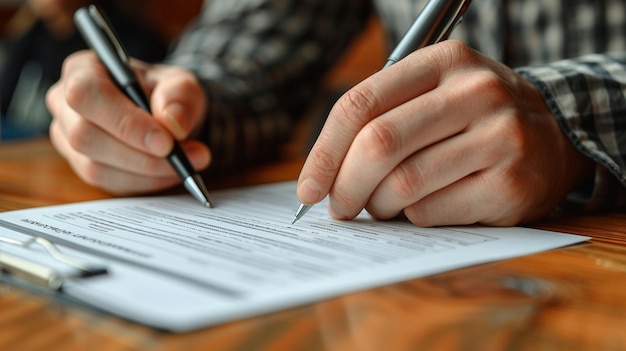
{"x": 434, "y": 23}
{"x": 107, "y": 134}
{"x": 445, "y": 136}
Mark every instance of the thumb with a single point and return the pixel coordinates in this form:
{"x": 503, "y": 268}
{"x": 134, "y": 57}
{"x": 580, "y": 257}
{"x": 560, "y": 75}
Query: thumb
{"x": 178, "y": 101}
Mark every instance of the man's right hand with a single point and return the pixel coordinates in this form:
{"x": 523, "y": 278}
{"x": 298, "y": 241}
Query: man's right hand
{"x": 113, "y": 144}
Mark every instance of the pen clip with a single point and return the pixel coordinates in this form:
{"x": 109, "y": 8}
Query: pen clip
{"x": 103, "y": 25}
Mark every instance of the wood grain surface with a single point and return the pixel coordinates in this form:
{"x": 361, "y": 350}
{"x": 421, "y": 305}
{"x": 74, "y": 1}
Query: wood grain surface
{"x": 567, "y": 299}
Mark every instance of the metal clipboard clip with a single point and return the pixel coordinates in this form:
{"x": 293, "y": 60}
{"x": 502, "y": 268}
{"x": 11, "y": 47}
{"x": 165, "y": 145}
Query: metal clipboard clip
{"x": 40, "y": 273}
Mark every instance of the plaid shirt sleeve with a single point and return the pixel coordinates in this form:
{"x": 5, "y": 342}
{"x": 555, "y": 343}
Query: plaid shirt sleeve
{"x": 587, "y": 95}
{"x": 260, "y": 62}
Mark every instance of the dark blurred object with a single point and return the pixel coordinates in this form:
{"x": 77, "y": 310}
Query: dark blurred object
{"x": 34, "y": 58}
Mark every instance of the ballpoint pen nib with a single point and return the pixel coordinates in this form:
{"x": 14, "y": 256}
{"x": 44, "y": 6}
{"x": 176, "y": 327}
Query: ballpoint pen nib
{"x": 196, "y": 187}
{"x": 300, "y": 212}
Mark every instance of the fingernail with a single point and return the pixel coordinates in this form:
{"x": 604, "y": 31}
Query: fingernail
{"x": 158, "y": 142}
{"x": 309, "y": 192}
{"x": 171, "y": 111}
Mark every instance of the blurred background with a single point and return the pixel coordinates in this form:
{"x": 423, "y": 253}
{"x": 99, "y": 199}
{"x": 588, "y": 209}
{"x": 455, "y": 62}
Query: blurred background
{"x": 37, "y": 35}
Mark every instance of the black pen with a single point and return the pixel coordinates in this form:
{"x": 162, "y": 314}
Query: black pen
{"x": 98, "y": 34}
{"x": 433, "y": 24}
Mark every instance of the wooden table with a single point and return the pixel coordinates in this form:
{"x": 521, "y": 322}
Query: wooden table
{"x": 568, "y": 299}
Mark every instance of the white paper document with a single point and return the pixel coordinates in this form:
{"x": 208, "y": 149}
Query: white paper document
{"x": 176, "y": 265}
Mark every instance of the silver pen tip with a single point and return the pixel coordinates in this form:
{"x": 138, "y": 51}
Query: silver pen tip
{"x": 300, "y": 212}
{"x": 197, "y": 189}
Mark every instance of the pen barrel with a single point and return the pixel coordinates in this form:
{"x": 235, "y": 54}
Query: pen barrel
{"x": 434, "y": 23}
{"x": 100, "y": 37}
{"x": 180, "y": 162}
{"x": 136, "y": 94}
{"x": 177, "y": 157}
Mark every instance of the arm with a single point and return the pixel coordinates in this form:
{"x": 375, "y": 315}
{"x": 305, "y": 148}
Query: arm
{"x": 587, "y": 96}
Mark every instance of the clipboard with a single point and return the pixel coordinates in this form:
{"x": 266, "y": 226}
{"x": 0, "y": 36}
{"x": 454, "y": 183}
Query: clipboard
{"x": 22, "y": 263}
{"x": 79, "y": 277}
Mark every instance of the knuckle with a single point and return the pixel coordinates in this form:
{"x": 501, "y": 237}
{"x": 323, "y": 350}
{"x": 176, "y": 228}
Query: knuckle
{"x": 77, "y": 57}
{"x": 81, "y": 89}
{"x": 378, "y": 139}
{"x": 123, "y": 125}
{"x": 489, "y": 81}
{"x": 80, "y": 137}
{"x": 76, "y": 90}
{"x": 324, "y": 163}
{"x": 51, "y": 98}
{"x": 454, "y": 52}
{"x": 189, "y": 84}
{"x": 506, "y": 139}
{"x": 462, "y": 52}
{"x": 407, "y": 182}
{"x": 495, "y": 91}
{"x": 358, "y": 105}
{"x": 72, "y": 60}
{"x": 129, "y": 123}
{"x": 511, "y": 135}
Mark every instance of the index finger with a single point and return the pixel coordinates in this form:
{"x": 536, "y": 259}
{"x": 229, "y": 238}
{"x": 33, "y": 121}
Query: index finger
{"x": 369, "y": 99}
